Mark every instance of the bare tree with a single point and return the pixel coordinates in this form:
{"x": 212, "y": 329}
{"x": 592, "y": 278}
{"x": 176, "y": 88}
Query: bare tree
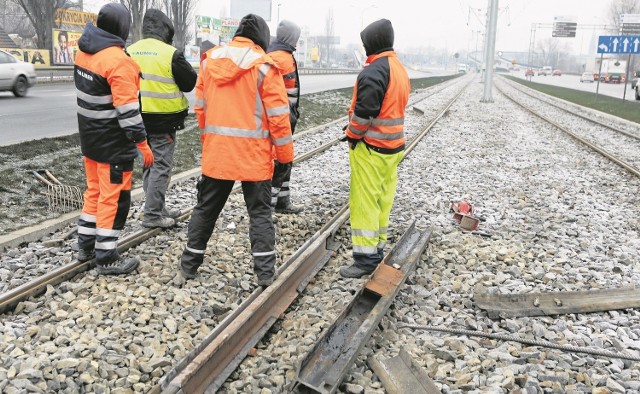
{"x": 181, "y": 14}
{"x": 328, "y": 35}
{"x": 619, "y": 7}
{"x": 14, "y": 20}
{"x": 41, "y": 15}
{"x": 137, "y": 9}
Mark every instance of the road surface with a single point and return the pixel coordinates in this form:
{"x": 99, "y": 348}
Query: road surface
{"x": 49, "y": 110}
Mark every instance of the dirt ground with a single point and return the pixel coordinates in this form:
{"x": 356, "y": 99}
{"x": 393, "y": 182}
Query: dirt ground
{"x": 22, "y": 195}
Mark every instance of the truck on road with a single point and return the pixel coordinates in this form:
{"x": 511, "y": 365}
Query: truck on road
{"x": 612, "y": 71}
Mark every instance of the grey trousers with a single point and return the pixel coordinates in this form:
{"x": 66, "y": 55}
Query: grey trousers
{"x": 212, "y": 195}
{"x": 155, "y": 179}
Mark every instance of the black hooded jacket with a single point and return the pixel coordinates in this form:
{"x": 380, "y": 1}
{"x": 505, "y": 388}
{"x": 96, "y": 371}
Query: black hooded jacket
{"x": 157, "y": 25}
{"x": 256, "y": 29}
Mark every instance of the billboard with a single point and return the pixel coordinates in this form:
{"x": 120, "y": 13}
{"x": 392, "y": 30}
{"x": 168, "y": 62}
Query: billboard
{"x": 203, "y": 24}
{"x": 240, "y": 8}
{"x": 192, "y": 53}
{"x": 228, "y": 29}
{"x": 37, "y": 57}
{"x": 65, "y": 46}
{"x": 72, "y": 17}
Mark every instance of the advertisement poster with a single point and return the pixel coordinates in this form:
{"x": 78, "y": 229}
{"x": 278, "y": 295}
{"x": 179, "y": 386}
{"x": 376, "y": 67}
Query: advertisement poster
{"x": 72, "y": 17}
{"x": 37, "y": 57}
{"x": 192, "y": 53}
{"x": 203, "y": 24}
{"x": 65, "y": 46}
{"x": 228, "y": 29}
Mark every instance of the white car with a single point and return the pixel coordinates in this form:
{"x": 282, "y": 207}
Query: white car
{"x": 15, "y": 75}
{"x": 587, "y": 77}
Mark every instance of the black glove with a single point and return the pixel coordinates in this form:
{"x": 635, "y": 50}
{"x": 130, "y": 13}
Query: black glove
{"x": 353, "y": 142}
{"x": 344, "y": 138}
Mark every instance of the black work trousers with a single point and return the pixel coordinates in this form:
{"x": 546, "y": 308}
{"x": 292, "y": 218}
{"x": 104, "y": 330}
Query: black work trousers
{"x": 212, "y": 195}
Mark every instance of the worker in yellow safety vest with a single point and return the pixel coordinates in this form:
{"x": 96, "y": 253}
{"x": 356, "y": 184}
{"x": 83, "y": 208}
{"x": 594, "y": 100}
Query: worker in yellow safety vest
{"x": 166, "y": 74}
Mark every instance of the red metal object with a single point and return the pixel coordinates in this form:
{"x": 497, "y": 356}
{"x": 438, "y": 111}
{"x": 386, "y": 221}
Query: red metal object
{"x": 469, "y": 223}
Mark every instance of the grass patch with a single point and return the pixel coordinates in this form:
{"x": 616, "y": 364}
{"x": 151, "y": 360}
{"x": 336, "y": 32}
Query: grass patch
{"x": 613, "y": 106}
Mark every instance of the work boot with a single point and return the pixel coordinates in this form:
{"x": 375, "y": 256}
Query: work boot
{"x": 158, "y": 223}
{"x": 118, "y": 267}
{"x": 171, "y": 213}
{"x": 187, "y": 274}
{"x": 288, "y": 208}
{"x": 266, "y": 282}
{"x": 86, "y": 255}
{"x": 353, "y": 271}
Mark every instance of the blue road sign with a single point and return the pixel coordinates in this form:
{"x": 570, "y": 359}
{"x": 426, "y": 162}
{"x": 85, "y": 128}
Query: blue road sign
{"x": 619, "y": 44}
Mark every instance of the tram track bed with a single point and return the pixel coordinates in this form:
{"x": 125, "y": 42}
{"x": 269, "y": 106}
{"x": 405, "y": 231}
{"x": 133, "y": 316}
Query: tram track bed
{"x": 557, "y": 218}
{"x": 139, "y": 314}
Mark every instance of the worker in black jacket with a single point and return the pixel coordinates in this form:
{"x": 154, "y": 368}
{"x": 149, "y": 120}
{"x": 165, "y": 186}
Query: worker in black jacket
{"x": 166, "y": 74}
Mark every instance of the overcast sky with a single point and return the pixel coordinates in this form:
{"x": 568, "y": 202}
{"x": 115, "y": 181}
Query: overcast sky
{"x": 439, "y": 23}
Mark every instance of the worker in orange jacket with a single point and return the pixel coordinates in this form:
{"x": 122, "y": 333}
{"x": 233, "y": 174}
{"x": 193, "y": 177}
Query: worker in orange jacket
{"x": 111, "y": 134}
{"x": 376, "y": 141}
{"x": 242, "y": 109}
{"x": 281, "y": 51}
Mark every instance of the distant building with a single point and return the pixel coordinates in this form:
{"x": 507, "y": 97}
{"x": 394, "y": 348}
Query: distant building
{"x": 6, "y": 41}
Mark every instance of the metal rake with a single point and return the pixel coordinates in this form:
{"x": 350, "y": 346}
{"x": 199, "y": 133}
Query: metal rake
{"x": 60, "y": 197}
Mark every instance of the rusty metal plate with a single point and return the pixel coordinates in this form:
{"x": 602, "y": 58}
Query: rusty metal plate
{"x": 384, "y": 280}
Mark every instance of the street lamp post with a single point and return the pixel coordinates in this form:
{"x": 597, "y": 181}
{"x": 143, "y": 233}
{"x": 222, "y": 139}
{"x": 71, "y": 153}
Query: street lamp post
{"x": 362, "y": 14}
{"x": 279, "y": 4}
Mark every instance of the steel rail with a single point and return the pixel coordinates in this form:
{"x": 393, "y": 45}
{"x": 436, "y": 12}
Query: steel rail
{"x": 208, "y": 365}
{"x": 324, "y": 367}
{"x": 624, "y": 132}
{"x": 10, "y": 299}
{"x": 627, "y": 166}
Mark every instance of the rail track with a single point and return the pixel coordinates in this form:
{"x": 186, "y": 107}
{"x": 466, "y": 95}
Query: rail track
{"x": 140, "y": 328}
{"x": 616, "y": 144}
{"x": 19, "y": 296}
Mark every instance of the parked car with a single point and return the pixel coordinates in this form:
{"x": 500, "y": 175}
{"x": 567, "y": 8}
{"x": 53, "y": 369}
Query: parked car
{"x": 587, "y": 77}
{"x": 16, "y": 75}
{"x": 556, "y": 73}
{"x": 529, "y": 73}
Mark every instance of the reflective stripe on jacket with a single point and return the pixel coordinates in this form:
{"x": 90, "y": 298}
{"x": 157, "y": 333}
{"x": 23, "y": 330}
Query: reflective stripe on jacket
{"x": 242, "y": 109}
{"x": 286, "y": 64}
{"x": 159, "y": 93}
{"x": 380, "y": 96}
{"x": 109, "y": 119}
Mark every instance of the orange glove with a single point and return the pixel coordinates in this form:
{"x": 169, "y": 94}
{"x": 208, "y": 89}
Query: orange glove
{"x": 147, "y": 155}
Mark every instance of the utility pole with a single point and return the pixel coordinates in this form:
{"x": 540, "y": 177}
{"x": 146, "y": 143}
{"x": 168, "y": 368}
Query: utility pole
{"x": 492, "y": 23}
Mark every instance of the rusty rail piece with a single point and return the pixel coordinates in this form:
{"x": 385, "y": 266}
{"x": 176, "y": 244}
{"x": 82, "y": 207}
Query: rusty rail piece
{"x": 627, "y": 166}
{"x": 324, "y": 367}
{"x": 557, "y": 302}
{"x": 208, "y": 365}
{"x": 402, "y": 374}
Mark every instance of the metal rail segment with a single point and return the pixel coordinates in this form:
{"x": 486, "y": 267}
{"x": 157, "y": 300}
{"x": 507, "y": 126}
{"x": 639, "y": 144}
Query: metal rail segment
{"x": 324, "y": 367}
{"x": 210, "y": 364}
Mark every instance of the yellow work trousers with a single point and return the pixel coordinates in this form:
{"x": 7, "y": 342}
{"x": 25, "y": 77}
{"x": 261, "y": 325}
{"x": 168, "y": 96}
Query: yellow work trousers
{"x": 374, "y": 177}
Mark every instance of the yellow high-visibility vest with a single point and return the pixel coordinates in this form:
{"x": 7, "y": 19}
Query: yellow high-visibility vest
{"x": 159, "y": 92}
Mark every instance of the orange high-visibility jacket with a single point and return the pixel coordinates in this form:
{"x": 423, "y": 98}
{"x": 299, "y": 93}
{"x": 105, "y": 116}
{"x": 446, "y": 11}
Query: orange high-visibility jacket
{"x": 107, "y": 83}
{"x": 286, "y": 64}
{"x": 380, "y": 96}
{"x": 242, "y": 109}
